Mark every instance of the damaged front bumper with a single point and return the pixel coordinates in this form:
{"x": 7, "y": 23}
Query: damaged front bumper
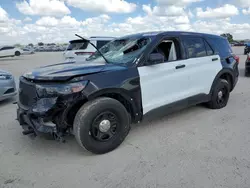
{"x": 48, "y": 116}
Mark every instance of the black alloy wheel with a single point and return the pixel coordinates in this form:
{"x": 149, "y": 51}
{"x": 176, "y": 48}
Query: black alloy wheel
{"x": 104, "y": 126}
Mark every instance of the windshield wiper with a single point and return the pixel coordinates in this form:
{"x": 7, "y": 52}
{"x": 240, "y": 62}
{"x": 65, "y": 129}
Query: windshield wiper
{"x": 86, "y": 40}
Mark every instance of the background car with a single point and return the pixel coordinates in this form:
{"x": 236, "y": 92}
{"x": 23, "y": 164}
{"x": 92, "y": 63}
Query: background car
{"x": 239, "y": 44}
{"x": 247, "y": 49}
{"x": 27, "y": 51}
{"x": 10, "y": 51}
{"x": 80, "y": 49}
{"x": 247, "y": 66}
{"x": 7, "y": 85}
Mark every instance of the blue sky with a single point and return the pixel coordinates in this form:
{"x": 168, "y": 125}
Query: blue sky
{"x": 27, "y": 21}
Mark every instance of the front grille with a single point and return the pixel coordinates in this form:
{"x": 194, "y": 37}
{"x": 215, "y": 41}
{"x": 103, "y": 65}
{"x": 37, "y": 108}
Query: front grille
{"x": 11, "y": 90}
{"x": 27, "y": 92}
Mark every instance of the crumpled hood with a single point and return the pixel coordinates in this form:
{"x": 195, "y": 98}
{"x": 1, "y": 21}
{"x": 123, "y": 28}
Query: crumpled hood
{"x": 64, "y": 71}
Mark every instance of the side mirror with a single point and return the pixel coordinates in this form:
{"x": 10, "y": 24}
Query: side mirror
{"x": 155, "y": 58}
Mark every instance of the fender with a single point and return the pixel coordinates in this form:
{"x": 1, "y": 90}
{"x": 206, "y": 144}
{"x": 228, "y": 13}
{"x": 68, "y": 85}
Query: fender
{"x": 134, "y": 104}
{"x": 217, "y": 77}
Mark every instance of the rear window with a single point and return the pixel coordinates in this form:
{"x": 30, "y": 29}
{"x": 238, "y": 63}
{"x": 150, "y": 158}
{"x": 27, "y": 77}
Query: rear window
{"x": 221, "y": 46}
{"x": 209, "y": 49}
{"x": 78, "y": 46}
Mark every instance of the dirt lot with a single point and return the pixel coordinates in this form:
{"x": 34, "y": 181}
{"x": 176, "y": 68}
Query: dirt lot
{"x": 196, "y": 147}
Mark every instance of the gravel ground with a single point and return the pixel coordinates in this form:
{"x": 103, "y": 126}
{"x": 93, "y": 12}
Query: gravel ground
{"x": 195, "y": 147}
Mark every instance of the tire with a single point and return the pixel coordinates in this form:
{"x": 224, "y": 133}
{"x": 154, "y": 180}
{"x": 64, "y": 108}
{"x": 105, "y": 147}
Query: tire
{"x": 17, "y": 53}
{"x": 216, "y": 102}
{"x": 88, "y": 136}
{"x": 246, "y": 73}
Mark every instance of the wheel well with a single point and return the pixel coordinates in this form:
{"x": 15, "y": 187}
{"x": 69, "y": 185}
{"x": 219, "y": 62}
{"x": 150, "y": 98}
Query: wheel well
{"x": 229, "y": 78}
{"x": 75, "y": 107}
{"x": 73, "y": 110}
{"x": 122, "y": 100}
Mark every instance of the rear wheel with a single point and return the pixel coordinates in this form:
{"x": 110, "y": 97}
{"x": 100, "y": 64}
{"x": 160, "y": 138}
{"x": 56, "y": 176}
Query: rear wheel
{"x": 247, "y": 72}
{"x": 17, "y": 53}
{"x": 220, "y": 95}
{"x": 101, "y": 125}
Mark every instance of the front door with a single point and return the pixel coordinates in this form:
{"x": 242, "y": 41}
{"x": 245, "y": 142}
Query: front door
{"x": 165, "y": 82}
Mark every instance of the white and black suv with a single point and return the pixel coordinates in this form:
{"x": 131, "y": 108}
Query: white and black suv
{"x": 124, "y": 82}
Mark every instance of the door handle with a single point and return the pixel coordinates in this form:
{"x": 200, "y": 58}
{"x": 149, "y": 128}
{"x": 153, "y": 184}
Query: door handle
{"x": 215, "y": 59}
{"x": 180, "y": 66}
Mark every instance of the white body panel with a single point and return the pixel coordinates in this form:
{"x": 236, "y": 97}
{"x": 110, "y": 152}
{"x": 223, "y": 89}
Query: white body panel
{"x": 202, "y": 73}
{"x": 4, "y": 53}
{"x": 163, "y": 84}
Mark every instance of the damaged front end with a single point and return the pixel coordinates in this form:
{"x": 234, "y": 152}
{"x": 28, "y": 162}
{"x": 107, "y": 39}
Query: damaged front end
{"x": 49, "y": 109}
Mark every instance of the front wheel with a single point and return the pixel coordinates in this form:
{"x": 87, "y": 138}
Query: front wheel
{"x": 220, "y": 95}
{"x": 101, "y": 125}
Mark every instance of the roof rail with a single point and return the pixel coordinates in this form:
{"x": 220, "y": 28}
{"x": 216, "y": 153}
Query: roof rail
{"x": 101, "y": 37}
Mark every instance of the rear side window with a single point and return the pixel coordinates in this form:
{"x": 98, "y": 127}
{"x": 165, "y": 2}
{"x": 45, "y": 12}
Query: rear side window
{"x": 101, "y": 43}
{"x": 78, "y": 46}
{"x": 221, "y": 46}
{"x": 7, "y": 48}
{"x": 208, "y": 49}
{"x": 195, "y": 47}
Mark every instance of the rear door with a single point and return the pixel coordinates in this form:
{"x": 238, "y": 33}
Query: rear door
{"x": 203, "y": 64}
{"x": 10, "y": 51}
{"x": 165, "y": 82}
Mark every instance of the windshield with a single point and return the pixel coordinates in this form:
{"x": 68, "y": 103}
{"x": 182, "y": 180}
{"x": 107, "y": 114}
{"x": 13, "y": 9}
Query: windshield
{"x": 124, "y": 50}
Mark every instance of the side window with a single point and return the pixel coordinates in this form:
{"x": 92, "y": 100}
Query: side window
{"x": 195, "y": 47}
{"x": 101, "y": 43}
{"x": 221, "y": 46}
{"x": 163, "y": 52}
{"x": 4, "y": 48}
{"x": 7, "y": 48}
{"x": 208, "y": 49}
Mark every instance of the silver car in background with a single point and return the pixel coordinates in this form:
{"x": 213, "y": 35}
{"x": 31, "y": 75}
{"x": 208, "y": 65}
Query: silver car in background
{"x": 7, "y": 85}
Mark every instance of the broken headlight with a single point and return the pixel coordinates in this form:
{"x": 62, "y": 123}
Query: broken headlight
{"x": 60, "y": 89}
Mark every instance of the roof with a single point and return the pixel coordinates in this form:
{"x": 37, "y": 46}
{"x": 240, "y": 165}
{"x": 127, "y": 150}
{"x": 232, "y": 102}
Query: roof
{"x": 176, "y": 33}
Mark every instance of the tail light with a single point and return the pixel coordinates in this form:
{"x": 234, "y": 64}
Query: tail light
{"x": 237, "y": 58}
{"x": 84, "y": 53}
{"x": 248, "y": 57}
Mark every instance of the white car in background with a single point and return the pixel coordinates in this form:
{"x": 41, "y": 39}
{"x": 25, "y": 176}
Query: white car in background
{"x": 79, "y": 49}
{"x": 7, "y": 85}
{"x": 27, "y": 51}
{"x": 10, "y": 51}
